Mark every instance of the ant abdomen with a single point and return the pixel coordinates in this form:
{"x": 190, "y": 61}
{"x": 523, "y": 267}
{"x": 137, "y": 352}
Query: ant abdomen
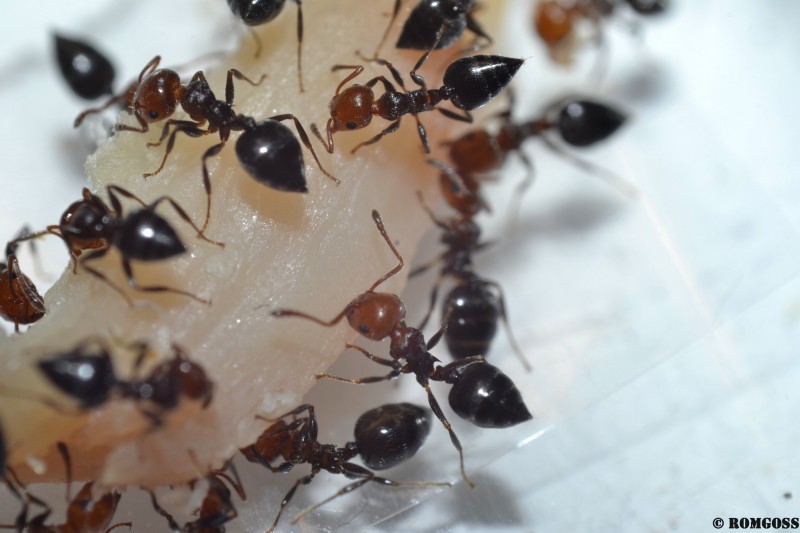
{"x": 145, "y": 235}
{"x": 88, "y": 72}
{"x": 472, "y": 313}
{"x": 585, "y": 122}
{"x": 88, "y": 377}
{"x": 499, "y": 404}
{"x": 648, "y": 7}
{"x": 256, "y": 13}
{"x": 391, "y": 433}
{"x": 472, "y": 82}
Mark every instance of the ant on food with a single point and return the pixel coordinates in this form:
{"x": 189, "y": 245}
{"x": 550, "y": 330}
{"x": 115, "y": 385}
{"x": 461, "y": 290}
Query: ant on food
{"x": 468, "y": 83}
{"x": 215, "y": 511}
{"x": 267, "y": 150}
{"x": 384, "y": 437}
{"x": 84, "y": 513}
{"x": 20, "y": 301}
{"x": 258, "y": 12}
{"x": 428, "y": 17}
{"x": 378, "y": 315}
{"x": 90, "y": 226}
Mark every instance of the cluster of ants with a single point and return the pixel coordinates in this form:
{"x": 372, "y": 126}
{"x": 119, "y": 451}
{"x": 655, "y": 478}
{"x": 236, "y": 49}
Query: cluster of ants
{"x": 272, "y": 155}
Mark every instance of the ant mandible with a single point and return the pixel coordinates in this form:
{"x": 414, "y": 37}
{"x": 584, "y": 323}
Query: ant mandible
{"x": 84, "y": 513}
{"x": 429, "y": 17}
{"x": 384, "y": 437}
{"x": 378, "y": 315}
{"x": 468, "y": 83}
{"x": 267, "y": 150}
{"x": 90, "y": 226}
{"x": 258, "y": 12}
{"x": 20, "y": 301}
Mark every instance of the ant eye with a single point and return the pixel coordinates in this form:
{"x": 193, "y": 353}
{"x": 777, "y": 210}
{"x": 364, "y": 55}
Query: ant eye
{"x": 351, "y": 125}
{"x": 153, "y": 114}
{"x": 363, "y": 328}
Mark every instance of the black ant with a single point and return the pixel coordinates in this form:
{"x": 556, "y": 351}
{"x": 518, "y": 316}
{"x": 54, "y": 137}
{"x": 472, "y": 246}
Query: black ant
{"x": 429, "y": 17}
{"x": 384, "y": 437}
{"x": 268, "y": 150}
{"x": 468, "y": 83}
{"x": 20, "y": 301}
{"x": 555, "y": 20}
{"x": 91, "y": 227}
{"x": 474, "y": 306}
{"x": 86, "y": 70}
{"x": 84, "y": 513}
{"x": 258, "y": 12}
{"x": 378, "y": 315}
{"x": 215, "y": 511}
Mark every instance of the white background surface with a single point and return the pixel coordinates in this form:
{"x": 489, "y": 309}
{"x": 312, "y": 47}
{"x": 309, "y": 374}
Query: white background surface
{"x": 663, "y": 332}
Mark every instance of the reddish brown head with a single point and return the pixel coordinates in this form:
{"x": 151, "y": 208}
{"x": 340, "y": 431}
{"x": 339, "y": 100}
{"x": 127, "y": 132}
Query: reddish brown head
{"x": 375, "y": 314}
{"x": 351, "y": 109}
{"x": 158, "y": 95}
{"x": 553, "y": 22}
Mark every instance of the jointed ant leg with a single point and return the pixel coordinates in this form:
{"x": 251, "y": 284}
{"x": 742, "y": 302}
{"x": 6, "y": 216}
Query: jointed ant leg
{"x": 306, "y": 141}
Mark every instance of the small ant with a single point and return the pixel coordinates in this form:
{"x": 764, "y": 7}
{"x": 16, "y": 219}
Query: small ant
{"x": 429, "y": 17}
{"x": 84, "y": 513}
{"x": 468, "y": 83}
{"x": 90, "y": 226}
{"x": 86, "y": 70}
{"x": 554, "y": 20}
{"x": 215, "y": 511}
{"x": 87, "y": 375}
{"x": 258, "y": 12}
{"x": 384, "y": 437}
{"x": 20, "y": 302}
{"x": 268, "y": 150}
{"x": 474, "y": 306}
{"x": 378, "y": 315}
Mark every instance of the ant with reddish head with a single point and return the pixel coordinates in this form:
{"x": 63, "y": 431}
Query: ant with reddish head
{"x": 84, "y": 513}
{"x": 468, "y": 83}
{"x": 91, "y": 227}
{"x": 258, "y": 12}
{"x": 384, "y": 437}
{"x": 20, "y": 301}
{"x": 378, "y": 315}
{"x": 268, "y": 150}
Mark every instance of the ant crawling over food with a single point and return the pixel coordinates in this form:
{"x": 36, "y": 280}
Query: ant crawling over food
{"x": 429, "y": 17}
{"x": 378, "y": 315}
{"x": 20, "y": 301}
{"x": 267, "y": 150}
{"x": 91, "y": 227}
{"x": 473, "y": 307}
{"x": 384, "y": 437}
{"x": 84, "y": 513}
{"x": 468, "y": 83}
{"x": 555, "y": 20}
{"x": 216, "y": 510}
{"x": 258, "y": 12}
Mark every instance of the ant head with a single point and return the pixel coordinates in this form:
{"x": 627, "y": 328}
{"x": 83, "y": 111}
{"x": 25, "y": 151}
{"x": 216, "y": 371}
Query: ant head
{"x": 84, "y": 513}
{"x": 157, "y": 96}
{"x": 475, "y": 152}
{"x": 194, "y": 381}
{"x": 85, "y": 219}
{"x": 553, "y": 22}
{"x": 376, "y": 314}
{"x": 351, "y": 109}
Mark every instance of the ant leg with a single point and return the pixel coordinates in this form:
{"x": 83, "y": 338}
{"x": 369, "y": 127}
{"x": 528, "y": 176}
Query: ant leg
{"x": 182, "y": 213}
{"x": 504, "y": 319}
{"x": 300, "y": 44}
{"x": 329, "y": 129}
{"x": 143, "y": 126}
{"x": 376, "y": 217}
{"x": 119, "y": 524}
{"x": 211, "y": 152}
{"x": 239, "y": 76}
{"x": 423, "y": 135}
{"x": 395, "y": 73}
{"x": 160, "y": 510}
{"x": 64, "y": 452}
{"x": 391, "y": 129}
{"x": 466, "y": 117}
{"x": 516, "y": 201}
{"x": 434, "y": 296}
{"x": 419, "y": 80}
{"x": 395, "y": 11}
{"x": 115, "y": 203}
{"x": 286, "y": 499}
{"x": 380, "y": 360}
{"x": 372, "y": 379}
{"x": 450, "y": 372}
{"x": 258, "y": 42}
{"x": 480, "y": 33}
{"x": 149, "y": 68}
{"x": 116, "y": 99}
{"x": 188, "y": 129}
{"x": 357, "y": 69}
{"x": 165, "y": 130}
{"x": 387, "y": 85}
{"x": 306, "y": 141}
{"x": 126, "y": 265}
{"x": 97, "y": 254}
{"x": 453, "y": 438}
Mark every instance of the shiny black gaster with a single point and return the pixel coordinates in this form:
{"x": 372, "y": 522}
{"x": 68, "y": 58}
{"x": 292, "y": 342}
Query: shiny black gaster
{"x": 390, "y": 434}
{"x": 271, "y": 154}
{"x": 88, "y": 72}
{"x": 471, "y": 82}
{"x": 487, "y": 397}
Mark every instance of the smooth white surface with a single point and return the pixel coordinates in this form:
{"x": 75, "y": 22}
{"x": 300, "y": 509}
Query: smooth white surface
{"x": 663, "y": 333}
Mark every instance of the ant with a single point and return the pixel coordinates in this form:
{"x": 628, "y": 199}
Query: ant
{"x": 258, "y": 12}
{"x": 554, "y": 20}
{"x": 90, "y": 226}
{"x": 384, "y": 437}
{"x": 474, "y": 306}
{"x": 468, "y": 83}
{"x": 215, "y": 511}
{"x": 451, "y": 17}
{"x": 378, "y": 315}
{"x": 86, "y": 70}
{"x": 268, "y": 150}
{"x": 20, "y": 302}
{"x": 84, "y": 513}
